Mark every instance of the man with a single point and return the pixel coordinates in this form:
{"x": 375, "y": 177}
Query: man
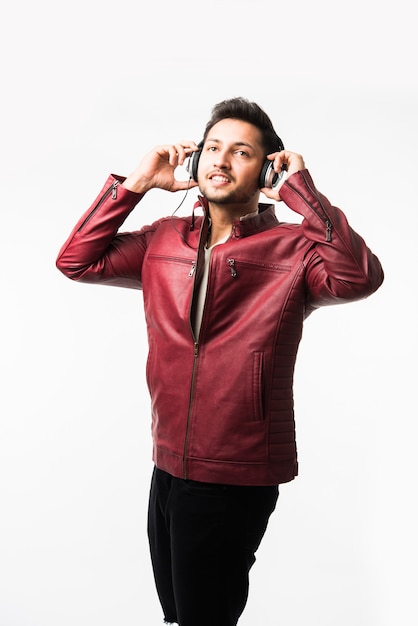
{"x": 225, "y": 296}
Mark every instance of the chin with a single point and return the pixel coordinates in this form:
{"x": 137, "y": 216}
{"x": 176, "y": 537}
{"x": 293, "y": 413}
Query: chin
{"x": 230, "y": 197}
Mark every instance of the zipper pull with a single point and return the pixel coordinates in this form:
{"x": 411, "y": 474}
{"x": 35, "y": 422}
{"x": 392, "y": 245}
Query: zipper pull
{"x": 329, "y": 230}
{"x": 231, "y": 263}
{"x": 196, "y": 349}
{"x": 192, "y": 269}
{"x": 114, "y": 192}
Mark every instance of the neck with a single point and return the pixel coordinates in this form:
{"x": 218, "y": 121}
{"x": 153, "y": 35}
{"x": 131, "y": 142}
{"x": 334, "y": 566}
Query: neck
{"x": 233, "y": 211}
{"x": 222, "y": 218}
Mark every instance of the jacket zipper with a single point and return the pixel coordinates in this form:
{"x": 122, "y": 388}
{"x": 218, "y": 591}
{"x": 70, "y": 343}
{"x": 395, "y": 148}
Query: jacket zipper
{"x": 110, "y": 190}
{"x": 231, "y": 263}
{"x": 186, "y": 438}
{"x": 324, "y": 217}
{"x": 176, "y": 259}
{"x": 192, "y": 273}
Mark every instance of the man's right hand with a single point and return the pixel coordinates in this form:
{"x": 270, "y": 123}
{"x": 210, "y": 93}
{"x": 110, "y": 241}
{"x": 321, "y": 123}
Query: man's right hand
{"x": 156, "y": 170}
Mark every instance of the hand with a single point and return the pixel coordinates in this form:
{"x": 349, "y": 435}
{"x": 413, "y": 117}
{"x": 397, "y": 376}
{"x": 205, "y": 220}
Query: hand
{"x": 156, "y": 170}
{"x": 293, "y": 162}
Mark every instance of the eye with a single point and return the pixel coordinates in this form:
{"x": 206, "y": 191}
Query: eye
{"x": 241, "y": 153}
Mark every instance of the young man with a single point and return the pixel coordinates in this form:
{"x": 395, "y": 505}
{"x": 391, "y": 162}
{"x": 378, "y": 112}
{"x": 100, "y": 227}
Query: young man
{"x": 225, "y": 297}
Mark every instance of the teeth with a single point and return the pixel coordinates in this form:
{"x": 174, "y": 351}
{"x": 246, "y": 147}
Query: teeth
{"x": 221, "y": 179}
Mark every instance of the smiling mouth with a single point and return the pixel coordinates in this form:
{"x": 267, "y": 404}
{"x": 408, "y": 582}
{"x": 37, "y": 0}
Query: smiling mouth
{"x": 218, "y": 178}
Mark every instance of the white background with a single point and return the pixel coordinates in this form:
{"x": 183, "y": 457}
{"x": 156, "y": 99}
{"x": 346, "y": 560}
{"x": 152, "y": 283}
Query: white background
{"x": 87, "y": 89}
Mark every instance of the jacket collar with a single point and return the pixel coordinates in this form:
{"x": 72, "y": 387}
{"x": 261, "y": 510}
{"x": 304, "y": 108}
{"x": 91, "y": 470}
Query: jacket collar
{"x": 263, "y": 220}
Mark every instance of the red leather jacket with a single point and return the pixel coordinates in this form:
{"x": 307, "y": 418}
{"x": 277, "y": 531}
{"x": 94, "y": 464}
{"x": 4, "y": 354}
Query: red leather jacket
{"x": 222, "y": 406}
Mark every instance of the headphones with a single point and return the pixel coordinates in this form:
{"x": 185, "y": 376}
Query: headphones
{"x": 268, "y": 177}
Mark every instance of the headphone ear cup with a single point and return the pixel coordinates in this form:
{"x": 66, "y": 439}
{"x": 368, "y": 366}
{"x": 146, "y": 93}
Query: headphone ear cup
{"x": 194, "y": 162}
{"x": 268, "y": 177}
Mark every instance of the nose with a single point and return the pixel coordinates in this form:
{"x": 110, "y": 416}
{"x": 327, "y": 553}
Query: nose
{"x": 221, "y": 160}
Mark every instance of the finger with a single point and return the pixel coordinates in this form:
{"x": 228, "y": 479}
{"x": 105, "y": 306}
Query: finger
{"x": 184, "y": 149}
{"x": 279, "y": 160}
{"x": 172, "y": 152}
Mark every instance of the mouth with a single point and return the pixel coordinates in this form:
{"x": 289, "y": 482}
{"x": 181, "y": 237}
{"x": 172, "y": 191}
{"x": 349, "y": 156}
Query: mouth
{"x": 219, "y": 179}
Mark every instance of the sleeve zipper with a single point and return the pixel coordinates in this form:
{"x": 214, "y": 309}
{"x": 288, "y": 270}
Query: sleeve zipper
{"x": 329, "y": 230}
{"x": 324, "y": 217}
{"x": 112, "y": 190}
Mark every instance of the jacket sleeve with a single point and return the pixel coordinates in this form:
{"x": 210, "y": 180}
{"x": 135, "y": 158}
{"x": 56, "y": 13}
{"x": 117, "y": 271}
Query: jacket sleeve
{"x": 95, "y": 252}
{"x": 339, "y": 266}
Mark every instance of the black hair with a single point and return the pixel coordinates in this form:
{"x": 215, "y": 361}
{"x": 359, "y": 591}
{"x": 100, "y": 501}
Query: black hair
{"x": 243, "y": 109}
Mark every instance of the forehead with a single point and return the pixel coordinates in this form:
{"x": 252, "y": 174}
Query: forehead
{"x": 233, "y": 131}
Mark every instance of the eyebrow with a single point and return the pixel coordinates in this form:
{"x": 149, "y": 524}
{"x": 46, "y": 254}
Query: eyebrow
{"x": 235, "y": 144}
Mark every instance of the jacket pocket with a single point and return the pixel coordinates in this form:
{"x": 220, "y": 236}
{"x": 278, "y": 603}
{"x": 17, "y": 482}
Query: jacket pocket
{"x": 257, "y": 386}
{"x": 189, "y": 264}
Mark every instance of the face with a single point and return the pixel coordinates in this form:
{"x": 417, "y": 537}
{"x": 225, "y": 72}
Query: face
{"x": 230, "y": 164}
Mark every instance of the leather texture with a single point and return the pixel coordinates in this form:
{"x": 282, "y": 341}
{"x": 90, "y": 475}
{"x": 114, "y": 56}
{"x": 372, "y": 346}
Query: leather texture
{"x": 222, "y": 405}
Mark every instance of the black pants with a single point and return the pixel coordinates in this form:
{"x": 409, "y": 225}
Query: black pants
{"x": 203, "y": 538}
